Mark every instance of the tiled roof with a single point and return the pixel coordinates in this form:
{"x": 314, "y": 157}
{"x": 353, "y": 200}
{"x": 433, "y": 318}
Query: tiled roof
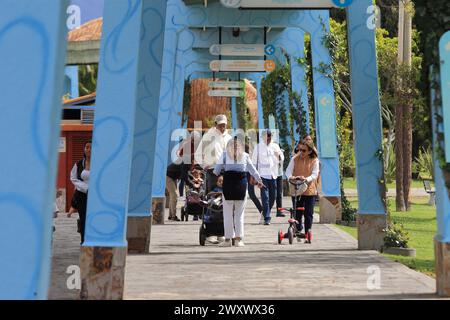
{"x": 90, "y": 31}
{"x": 81, "y": 100}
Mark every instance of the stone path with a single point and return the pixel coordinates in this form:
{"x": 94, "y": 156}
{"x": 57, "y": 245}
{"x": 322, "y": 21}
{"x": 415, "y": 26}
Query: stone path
{"x": 179, "y": 268}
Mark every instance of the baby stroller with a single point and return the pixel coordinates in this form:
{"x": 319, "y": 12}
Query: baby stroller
{"x": 195, "y": 195}
{"x": 212, "y": 219}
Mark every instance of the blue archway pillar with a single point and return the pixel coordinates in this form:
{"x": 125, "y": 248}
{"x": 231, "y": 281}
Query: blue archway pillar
{"x": 124, "y": 63}
{"x": 152, "y": 63}
{"x": 442, "y": 238}
{"x": 371, "y": 218}
{"x": 166, "y": 109}
{"x": 326, "y": 137}
{"x": 234, "y": 117}
{"x": 258, "y": 81}
{"x": 32, "y": 56}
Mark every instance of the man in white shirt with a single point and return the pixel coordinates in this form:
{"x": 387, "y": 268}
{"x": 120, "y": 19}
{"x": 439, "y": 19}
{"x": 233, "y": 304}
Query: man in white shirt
{"x": 211, "y": 148}
{"x": 267, "y": 156}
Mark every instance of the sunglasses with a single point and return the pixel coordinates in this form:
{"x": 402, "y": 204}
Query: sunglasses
{"x": 303, "y": 150}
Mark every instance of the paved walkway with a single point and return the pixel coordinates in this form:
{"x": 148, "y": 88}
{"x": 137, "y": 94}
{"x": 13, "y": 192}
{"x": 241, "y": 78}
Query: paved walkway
{"x": 179, "y": 268}
{"x": 415, "y": 192}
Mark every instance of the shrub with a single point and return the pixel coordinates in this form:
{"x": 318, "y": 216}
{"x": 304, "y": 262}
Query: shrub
{"x": 423, "y": 164}
{"x": 396, "y": 236}
{"x": 348, "y": 213}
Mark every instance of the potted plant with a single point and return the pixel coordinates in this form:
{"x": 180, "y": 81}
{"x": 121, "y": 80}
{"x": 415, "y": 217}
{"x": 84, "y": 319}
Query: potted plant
{"x": 396, "y": 241}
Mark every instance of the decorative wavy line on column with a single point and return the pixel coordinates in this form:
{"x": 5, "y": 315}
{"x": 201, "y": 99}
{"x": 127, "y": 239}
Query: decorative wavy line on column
{"x": 158, "y": 34}
{"x": 113, "y": 39}
{"x": 40, "y": 30}
{"x": 35, "y": 218}
{"x": 114, "y": 154}
{"x": 142, "y": 184}
{"x": 142, "y": 106}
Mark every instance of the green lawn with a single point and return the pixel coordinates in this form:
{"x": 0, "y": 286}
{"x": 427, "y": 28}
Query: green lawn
{"x": 420, "y": 222}
{"x": 350, "y": 183}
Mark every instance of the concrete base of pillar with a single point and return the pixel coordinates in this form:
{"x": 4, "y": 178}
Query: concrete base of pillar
{"x": 442, "y": 254}
{"x": 138, "y": 234}
{"x": 330, "y": 209}
{"x": 158, "y": 210}
{"x": 102, "y": 273}
{"x": 370, "y": 231}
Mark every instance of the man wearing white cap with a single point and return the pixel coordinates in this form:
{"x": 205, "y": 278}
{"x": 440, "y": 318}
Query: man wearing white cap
{"x": 208, "y": 153}
{"x": 211, "y": 149}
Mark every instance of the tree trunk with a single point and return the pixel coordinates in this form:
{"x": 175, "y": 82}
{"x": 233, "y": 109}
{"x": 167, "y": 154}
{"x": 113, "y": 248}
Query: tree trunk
{"x": 399, "y": 197}
{"x": 407, "y": 154}
{"x": 407, "y": 111}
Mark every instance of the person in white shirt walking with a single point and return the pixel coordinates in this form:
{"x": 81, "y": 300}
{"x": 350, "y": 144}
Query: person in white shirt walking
{"x": 211, "y": 149}
{"x": 208, "y": 153}
{"x": 267, "y": 156}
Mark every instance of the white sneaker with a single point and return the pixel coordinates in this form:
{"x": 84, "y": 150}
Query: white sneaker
{"x": 226, "y": 243}
{"x": 212, "y": 239}
{"x": 221, "y": 239}
{"x": 239, "y": 243}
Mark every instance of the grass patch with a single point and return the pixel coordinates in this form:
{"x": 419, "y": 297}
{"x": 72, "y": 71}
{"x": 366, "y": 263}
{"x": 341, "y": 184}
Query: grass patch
{"x": 350, "y": 183}
{"x": 421, "y": 225}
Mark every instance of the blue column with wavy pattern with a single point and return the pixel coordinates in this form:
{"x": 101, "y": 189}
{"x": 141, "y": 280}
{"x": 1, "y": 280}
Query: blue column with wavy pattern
{"x": 442, "y": 197}
{"x": 32, "y": 55}
{"x": 149, "y": 83}
{"x": 257, "y": 78}
{"x": 166, "y": 105}
{"x": 292, "y": 41}
{"x": 366, "y": 106}
{"x": 324, "y": 103}
{"x": 114, "y": 127}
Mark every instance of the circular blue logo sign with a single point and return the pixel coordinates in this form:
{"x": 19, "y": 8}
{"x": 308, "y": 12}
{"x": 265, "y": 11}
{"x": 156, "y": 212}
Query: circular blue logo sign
{"x": 342, "y": 3}
{"x": 269, "y": 49}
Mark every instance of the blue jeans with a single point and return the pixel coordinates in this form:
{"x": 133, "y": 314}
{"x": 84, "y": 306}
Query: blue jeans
{"x": 268, "y": 196}
{"x": 252, "y": 195}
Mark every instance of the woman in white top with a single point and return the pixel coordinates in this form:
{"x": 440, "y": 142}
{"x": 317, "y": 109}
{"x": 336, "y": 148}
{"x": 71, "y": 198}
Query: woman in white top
{"x": 236, "y": 163}
{"x": 80, "y": 179}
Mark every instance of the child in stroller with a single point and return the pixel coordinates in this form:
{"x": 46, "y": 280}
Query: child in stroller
{"x": 195, "y": 194}
{"x": 212, "y": 228}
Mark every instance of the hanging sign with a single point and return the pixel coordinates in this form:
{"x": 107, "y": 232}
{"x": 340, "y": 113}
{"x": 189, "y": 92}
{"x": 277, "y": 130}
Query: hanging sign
{"x": 298, "y": 4}
{"x": 226, "y": 93}
{"x": 444, "y": 54}
{"x": 248, "y": 50}
{"x": 227, "y": 84}
{"x": 242, "y": 65}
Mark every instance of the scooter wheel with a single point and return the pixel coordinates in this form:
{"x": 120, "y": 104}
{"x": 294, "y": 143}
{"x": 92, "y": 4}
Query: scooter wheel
{"x": 202, "y": 236}
{"x": 280, "y": 236}
{"x": 291, "y": 235}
